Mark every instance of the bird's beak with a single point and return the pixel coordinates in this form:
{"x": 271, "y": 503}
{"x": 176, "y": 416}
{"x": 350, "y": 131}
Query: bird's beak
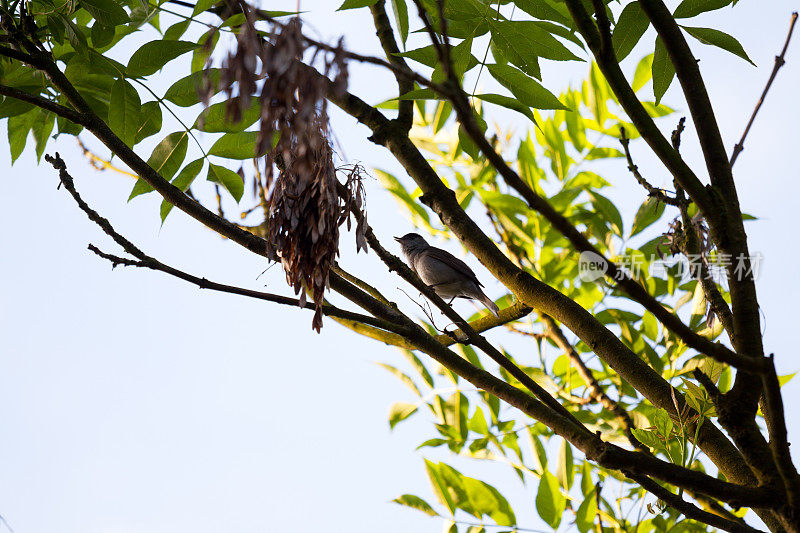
{"x": 398, "y": 239}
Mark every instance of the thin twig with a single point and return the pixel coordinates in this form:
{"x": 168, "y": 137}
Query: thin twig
{"x": 145, "y": 261}
{"x": 689, "y": 510}
{"x": 658, "y": 194}
{"x": 595, "y": 390}
{"x": 779, "y": 62}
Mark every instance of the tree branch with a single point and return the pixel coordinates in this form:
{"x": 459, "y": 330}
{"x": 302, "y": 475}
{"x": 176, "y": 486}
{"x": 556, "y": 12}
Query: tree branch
{"x": 778, "y": 436}
{"x": 383, "y": 29}
{"x": 687, "y": 509}
{"x": 779, "y": 62}
{"x": 581, "y": 243}
{"x": 145, "y": 261}
{"x": 658, "y": 194}
{"x": 728, "y": 232}
{"x": 44, "y": 103}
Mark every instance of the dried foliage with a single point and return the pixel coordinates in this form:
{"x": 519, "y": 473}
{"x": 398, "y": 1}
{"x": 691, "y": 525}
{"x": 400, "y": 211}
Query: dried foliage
{"x": 305, "y": 209}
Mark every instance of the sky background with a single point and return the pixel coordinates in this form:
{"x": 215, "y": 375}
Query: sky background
{"x": 131, "y": 401}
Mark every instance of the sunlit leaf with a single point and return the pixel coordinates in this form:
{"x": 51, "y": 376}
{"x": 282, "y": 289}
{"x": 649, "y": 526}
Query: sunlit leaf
{"x": 528, "y": 91}
{"x": 415, "y": 502}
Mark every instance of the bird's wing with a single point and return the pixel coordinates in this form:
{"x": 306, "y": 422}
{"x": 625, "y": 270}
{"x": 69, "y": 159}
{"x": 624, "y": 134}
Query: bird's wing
{"x": 453, "y": 262}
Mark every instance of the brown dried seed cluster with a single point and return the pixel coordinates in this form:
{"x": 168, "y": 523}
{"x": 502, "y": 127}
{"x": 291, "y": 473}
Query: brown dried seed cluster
{"x": 304, "y": 208}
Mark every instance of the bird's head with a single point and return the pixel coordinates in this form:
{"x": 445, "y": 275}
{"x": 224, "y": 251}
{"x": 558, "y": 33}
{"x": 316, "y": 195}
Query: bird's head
{"x": 412, "y": 242}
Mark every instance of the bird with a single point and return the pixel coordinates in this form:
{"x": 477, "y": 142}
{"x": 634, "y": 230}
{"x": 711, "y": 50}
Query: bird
{"x": 447, "y": 275}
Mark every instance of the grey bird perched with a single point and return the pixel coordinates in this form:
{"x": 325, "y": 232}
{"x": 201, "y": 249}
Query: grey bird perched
{"x": 447, "y": 275}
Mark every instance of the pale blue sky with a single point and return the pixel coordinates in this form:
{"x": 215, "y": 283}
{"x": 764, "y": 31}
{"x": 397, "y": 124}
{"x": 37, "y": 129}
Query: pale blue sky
{"x": 134, "y": 402}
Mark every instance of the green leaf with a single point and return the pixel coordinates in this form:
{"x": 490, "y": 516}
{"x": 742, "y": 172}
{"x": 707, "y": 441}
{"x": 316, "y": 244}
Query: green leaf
{"x": 229, "y": 179}
{"x": 355, "y": 4}
{"x": 150, "y": 117}
{"x": 399, "y": 412}
{"x": 183, "y": 181}
{"x": 663, "y": 423}
{"x": 648, "y": 438}
{"x": 74, "y": 34}
{"x": 644, "y": 71}
{"x": 650, "y": 211}
{"x": 508, "y": 103}
{"x": 417, "y": 212}
{"x": 606, "y": 208}
{"x": 151, "y": 57}
{"x": 425, "y": 55}
{"x": 107, "y": 12}
{"x": 12, "y": 107}
{"x": 400, "y": 10}
{"x": 531, "y": 38}
{"x": 418, "y": 365}
{"x": 184, "y": 92}
{"x": 539, "y": 452}
{"x": 166, "y": 159}
{"x": 524, "y": 42}
{"x": 236, "y": 145}
{"x": 439, "y": 486}
{"x": 42, "y": 128}
{"x": 102, "y": 35}
{"x": 478, "y": 422}
{"x": 486, "y": 500}
{"x": 663, "y": 71}
{"x": 585, "y": 516}
{"x": 402, "y": 376}
{"x": 214, "y": 120}
{"x": 177, "y": 30}
{"x": 566, "y": 467}
{"x": 631, "y": 25}
{"x": 528, "y": 91}
{"x": 550, "y": 503}
{"x": 720, "y": 39}
{"x": 692, "y": 8}
{"x": 18, "y": 128}
{"x": 415, "y": 502}
{"x": 203, "y": 52}
{"x": 123, "y": 111}
{"x": 203, "y": 5}
{"x": 546, "y": 10}
{"x": 650, "y": 326}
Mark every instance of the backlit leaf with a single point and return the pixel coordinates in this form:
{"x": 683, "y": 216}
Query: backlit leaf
{"x": 151, "y": 57}
{"x": 631, "y": 25}
{"x": 230, "y": 180}
{"x": 528, "y": 91}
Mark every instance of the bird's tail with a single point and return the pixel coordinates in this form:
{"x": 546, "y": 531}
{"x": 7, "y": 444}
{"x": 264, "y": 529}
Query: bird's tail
{"x": 490, "y": 305}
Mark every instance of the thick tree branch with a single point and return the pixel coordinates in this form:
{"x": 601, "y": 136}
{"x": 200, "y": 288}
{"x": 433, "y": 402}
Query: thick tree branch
{"x": 44, "y": 103}
{"x": 778, "y": 436}
{"x": 729, "y": 232}
{"x": 383, "y": 29}
{"x": 531, "y": 291}
{"x": 578, "y": 239}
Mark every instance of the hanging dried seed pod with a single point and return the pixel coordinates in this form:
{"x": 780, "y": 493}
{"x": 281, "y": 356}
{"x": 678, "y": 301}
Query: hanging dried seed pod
{"x": 304, "y": 208}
